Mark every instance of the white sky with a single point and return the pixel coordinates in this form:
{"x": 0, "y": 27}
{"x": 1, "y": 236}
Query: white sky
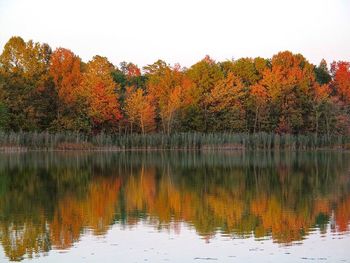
{"x": 184, "y": 31}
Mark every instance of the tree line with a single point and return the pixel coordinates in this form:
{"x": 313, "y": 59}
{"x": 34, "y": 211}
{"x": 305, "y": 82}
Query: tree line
{"x": 46, "y": 90}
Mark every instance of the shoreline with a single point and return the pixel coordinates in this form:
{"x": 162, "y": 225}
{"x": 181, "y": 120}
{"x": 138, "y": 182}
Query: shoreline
{"x": 148, "y": 150}
{"x": 70, "y": 141}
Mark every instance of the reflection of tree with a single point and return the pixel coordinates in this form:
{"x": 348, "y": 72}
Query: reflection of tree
{"x": 342, "y": 215}
{"x": 282, "y": 196}
{"x": 50, "y": 200}
{"x": 24, "y": 239}
{"x": 95, "y": 211}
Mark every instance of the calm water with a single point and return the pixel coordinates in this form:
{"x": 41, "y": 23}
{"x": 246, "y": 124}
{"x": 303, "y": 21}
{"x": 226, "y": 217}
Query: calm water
{"x": 175, "y": 207}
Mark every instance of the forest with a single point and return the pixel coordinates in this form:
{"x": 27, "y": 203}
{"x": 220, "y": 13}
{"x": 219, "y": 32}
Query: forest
{"x": 45, "y": 90}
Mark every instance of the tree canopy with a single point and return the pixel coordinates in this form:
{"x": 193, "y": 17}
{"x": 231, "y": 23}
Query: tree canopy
{"x": 41, "y": 89}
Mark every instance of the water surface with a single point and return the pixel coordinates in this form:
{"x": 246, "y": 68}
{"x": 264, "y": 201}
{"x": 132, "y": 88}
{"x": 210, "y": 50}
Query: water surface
{"x": 175, "y": 207}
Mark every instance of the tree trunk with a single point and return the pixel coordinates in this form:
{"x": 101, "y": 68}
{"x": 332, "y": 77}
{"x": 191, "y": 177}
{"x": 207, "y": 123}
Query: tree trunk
{"x": 142, "y": 125}
{"x": 327, "y": 126}
{"x": 256, "y": 118}
{"x": 169, "y": 123}
{"x": 316, "y": 129}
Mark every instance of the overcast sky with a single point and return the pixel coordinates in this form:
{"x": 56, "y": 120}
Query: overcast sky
{"x": 184, "y": 31}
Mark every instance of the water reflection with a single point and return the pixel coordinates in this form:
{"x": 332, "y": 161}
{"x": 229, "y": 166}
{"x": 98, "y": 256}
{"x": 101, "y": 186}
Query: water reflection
{"x": 49, "y": 200}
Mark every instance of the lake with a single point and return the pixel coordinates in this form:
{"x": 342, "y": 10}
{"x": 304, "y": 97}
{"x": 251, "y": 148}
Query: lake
{"x": 175, "y": 207}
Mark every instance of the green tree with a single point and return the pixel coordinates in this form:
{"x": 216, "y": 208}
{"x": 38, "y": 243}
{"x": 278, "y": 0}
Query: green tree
{"x": 4, "y": 117}
{"x": 322, "y": 73}
{"x": 27, "y": 89}
{"x": 204, "y": 75}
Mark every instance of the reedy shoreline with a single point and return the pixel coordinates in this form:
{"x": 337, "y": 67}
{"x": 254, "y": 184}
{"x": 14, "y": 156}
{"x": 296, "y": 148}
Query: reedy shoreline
{"x": 67, "y": 141}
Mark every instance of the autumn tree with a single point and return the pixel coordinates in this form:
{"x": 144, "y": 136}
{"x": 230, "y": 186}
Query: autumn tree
{"x": 140, "y": 110}
{"x": 289, "y": 84}
{"x": 250, "y": 72}
{"x": 167, "y": 86}
{"x": 128, "y": 75}
{"x": 98, "y": 92}
{"x": 41, "y": 90}
{"x": 225, "y": 105}
{"x": 65, "y": 70}
{"x": 260, "y": 100}
{"x": 244, "y": 68}
{"x": 341, "y": 80}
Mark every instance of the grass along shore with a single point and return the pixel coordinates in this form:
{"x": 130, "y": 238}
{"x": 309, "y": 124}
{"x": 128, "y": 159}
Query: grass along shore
{"x": 22, "y": 141}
